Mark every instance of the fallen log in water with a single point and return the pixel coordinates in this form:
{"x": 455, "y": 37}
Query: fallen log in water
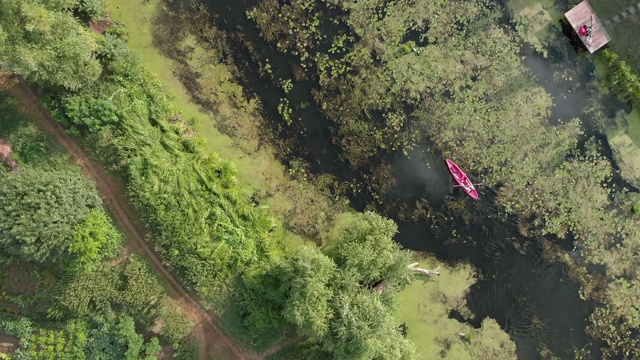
{"x": 427, "y": 272}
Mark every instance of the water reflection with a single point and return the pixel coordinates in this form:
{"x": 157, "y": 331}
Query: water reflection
{"x": 421, "y": 175}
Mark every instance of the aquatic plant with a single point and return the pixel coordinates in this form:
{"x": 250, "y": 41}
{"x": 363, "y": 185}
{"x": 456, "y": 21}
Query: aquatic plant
{"x": 620, "y": 76}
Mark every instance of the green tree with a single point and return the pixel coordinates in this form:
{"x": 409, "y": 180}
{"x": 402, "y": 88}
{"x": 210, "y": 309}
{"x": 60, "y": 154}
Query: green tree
{"x": 115, "y": 338}
{"x": 307, "y": 280}
{"x": 43, "y": 42}
{"x": 364, "y": 248}
{"x": 363, "y": 328}
{"x": 129, "y": 339}
{"x": 96, "y": 238}
{"x": 331, "y": 298}
{"x": 94, "y": 9}
{"x": 40, "y": 211}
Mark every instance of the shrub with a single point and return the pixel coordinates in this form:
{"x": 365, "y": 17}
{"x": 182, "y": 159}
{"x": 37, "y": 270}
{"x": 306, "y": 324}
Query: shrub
{"x": 112, "y": 47}
{"x": 93, "y": 240}
{"x": 175, "y": 324}
{"x": 40, "y": 211}
{"x": 621, "y": 77}
{"x": 118, "y": 30}
{"x": 93, "y": 9}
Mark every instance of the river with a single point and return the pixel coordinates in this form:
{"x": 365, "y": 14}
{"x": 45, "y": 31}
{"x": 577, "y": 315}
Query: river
{"x": 532, "y": 298}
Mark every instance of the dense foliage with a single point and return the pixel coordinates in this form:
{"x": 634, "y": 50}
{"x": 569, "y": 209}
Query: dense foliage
{"x": 113, "y": 338}
{"x": 621, "y": 77}
{"x": 394, "y": 73}
{"x": 51, "y": 213}
{"x": 71, "y": 306}
{"x": 332, "y": 297}
{"x": 42, "y": 41}
{"x": 207, "y": 225}
{"x": 40, "y": 211}
{"x": 210, "y": 229}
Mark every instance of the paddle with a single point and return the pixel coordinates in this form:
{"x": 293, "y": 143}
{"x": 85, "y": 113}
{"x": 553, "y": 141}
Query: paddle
{"x": 590, "y": 35}
{"x": 478, "y": 184}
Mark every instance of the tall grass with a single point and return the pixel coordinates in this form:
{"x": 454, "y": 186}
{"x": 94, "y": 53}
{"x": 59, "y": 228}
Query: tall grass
{"x": 621, "y": 78}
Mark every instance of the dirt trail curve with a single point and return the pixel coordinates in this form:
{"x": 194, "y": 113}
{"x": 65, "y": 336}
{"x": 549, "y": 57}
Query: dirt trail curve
{"x": 212, "y": 342}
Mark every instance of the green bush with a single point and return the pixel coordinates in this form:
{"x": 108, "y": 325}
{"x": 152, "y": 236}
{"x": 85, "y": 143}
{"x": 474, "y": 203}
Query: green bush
{"x": 175, "y": 324}
{"x": 619, "y": 76}
{"x": 93, "y": 9}
{"x": 115, "y": 338}
{"x": 93, "y": 114}
{"x": 112, "y": 47}
{"x": 118, "y": 30}
{"x": 130, "y": 286}
{"x": 93, "y": 240}
{"x": 40, "y": 211}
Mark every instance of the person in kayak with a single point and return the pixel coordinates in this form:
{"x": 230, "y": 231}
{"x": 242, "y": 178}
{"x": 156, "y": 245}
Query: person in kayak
{"x": 468, "y": 187}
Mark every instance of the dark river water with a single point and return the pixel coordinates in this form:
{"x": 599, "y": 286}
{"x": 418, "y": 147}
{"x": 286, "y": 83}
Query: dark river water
{"x": 533, "y": 299}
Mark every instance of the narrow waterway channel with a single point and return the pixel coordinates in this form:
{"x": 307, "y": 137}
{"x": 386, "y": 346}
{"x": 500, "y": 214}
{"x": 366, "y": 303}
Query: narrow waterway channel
{"x": 532, "y": 298}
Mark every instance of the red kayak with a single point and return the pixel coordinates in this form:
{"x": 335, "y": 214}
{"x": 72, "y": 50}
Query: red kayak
{"x": 462, "y": 179}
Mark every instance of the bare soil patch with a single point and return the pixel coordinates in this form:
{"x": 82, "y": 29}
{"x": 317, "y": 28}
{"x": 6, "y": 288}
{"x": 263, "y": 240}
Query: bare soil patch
{"x": 8, "y": 344}
{"x": 100, "y": 26}
{"x": 5, "y": 155}
{"x": 19, "y": 280}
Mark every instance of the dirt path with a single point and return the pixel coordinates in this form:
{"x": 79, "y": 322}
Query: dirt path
{"x": 8, "y": 344}
{"x": 212, "y": 342}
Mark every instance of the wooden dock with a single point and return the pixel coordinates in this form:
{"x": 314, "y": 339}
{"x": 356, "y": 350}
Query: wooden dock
{"x": 581, "y": 15}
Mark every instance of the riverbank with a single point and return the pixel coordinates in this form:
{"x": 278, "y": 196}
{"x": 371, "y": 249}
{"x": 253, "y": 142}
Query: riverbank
{"x": 261, "y": 170}
{"x": 255, "y": 160}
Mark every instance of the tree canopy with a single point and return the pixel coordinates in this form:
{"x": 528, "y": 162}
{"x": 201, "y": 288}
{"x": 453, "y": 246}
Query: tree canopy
{"x": 96, "y": 238}
{"x": 331, "y": 298}
{"x": 41, "y": 210}
{"x": 42, "y": 41}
